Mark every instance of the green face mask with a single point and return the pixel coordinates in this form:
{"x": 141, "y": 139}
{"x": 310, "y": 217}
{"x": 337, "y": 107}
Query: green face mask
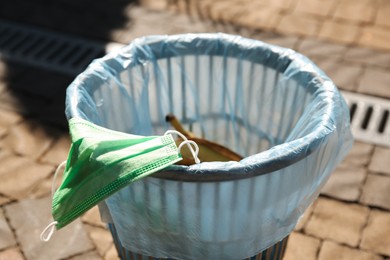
{"x": 101, "y": 162}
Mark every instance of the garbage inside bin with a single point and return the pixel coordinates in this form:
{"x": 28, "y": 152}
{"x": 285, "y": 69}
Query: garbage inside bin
{"x": 209, "y": 151}
{"x": 269, "y": 104}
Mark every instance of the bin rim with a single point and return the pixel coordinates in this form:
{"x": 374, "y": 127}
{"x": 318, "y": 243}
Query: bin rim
{"x": 287, "y": 61}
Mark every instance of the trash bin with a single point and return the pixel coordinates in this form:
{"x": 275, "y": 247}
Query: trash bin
{"x": 269, "y": 104}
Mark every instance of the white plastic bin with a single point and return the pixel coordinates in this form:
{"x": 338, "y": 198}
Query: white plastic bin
{"x": 269, "y": 104}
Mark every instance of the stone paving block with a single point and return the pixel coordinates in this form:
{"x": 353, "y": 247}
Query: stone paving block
{"x": 226, "y": 11}
{"x": 142, "y": 28}
{"x": 111, "y": 254}
{"x": 101, "y": 237}
{"x": 59, "y": 151}
{"x": 375, "y": 37}
{"x": 337, "y": 221}
{"x": 4, "y": 200}
{"x": 155, "y": 4}
{"x": 359, "y": 155}
{"x": 312, "y": 47}
{"x": 339, "y": 32}
{"x": 181, "y": 6}
{"x": 20, "y": 175}
{"x": 382, "y": 17}
{"x": 345, "y": 76}
{"x": 193, "y": 9}
{"x": 246, "y": 32}
{"x": 226, "y": 28}
{"x": 43, "y": 188}
{"x": 264, "y": 17}
{"x": 135, "y": 13}
{"x": 368, "y": 56}
{"x": 380, "y": 160}
{"x": 305, "y": 218}
{"x": 7, "y": 119}
{"x": 11, "y": 254}
{"x": 345, "y": 183}
{"x": 301, "y": 247}
{"x": 375, "y": 82}
{"x": 282, "y": 4}
{"x": 7, "y": 238}
{"x": 195, "y": 27}
{"x": 30, "y": 217}
{"x": 283, "y": 41}
{"x": 29, "y": 138}
{"x": 93, "y": 255}
{"x": 331, "y": 250}
{"x": 298, "y": 24}
{"x": 315, "y": 7}
{"x": 184, "y": 24}
{"x": 214, "y": 9}
{"x": 376, "y": 191}
{"x": 376, "y": 236}
{"x": 355, "y": 11}
{"x": 202, "y": 6}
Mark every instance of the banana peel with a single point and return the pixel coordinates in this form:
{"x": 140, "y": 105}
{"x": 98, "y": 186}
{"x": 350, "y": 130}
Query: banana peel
{"x": 208, "y": 151}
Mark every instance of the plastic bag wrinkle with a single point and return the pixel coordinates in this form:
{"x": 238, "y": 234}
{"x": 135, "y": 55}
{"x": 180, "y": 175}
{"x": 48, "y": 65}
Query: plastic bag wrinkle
{"x": 270, "y": 103}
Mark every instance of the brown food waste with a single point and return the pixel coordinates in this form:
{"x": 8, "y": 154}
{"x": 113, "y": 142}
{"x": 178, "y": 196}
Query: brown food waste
{"x": 208, "y": 151}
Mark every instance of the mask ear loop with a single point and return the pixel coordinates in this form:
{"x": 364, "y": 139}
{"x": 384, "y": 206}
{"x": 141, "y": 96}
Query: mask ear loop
{"x": 49, "y": 230}
{"x": 190, "y": 144}
{"x": 53, "y": 184}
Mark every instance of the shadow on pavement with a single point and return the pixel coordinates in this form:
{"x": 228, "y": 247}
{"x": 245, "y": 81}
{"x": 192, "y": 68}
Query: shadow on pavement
{"x": 40, "y": 94}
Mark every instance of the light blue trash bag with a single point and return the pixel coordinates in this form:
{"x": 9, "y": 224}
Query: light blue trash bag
{"x": 269, "y": 104}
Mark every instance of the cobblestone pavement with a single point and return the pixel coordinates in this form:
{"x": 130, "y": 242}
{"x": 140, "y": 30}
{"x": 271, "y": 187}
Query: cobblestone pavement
{"x": 363, "y": 22}
{"x": 351, "y": 218}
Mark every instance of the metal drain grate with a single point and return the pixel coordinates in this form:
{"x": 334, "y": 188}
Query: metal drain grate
{"x": 370, "y": 119}
{"x": 46, "y": 49}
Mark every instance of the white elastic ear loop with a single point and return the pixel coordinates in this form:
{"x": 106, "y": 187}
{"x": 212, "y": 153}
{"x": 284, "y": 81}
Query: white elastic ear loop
{"x": 191, "y": 144}
{"x": 49, "y": 230}
{"x": 176, "y": 132}
{"x": 53, "y": 184}
{"x": 188, "y": 143}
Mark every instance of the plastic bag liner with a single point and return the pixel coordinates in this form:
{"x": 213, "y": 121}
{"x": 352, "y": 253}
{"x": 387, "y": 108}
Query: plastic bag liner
{"x": 269, "y": 104}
